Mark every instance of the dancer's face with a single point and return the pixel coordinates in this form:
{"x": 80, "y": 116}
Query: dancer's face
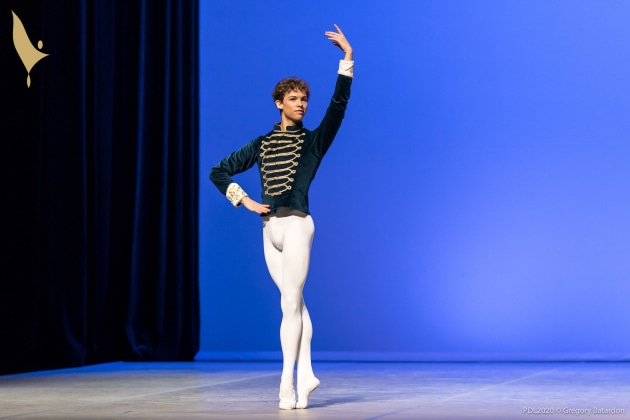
{"x": 293, "y": 106}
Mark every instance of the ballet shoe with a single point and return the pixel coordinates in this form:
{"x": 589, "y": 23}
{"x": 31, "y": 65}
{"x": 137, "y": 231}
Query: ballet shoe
{"x": 305, "y": 388}
{"x": 287, "y": 396}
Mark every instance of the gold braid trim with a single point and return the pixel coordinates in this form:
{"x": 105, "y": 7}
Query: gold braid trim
{"x": 279, "y": 161}
{"x": 235, "y": 194}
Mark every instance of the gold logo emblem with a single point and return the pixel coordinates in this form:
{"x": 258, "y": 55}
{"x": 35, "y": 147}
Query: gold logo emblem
{"x": 25, "y": 49}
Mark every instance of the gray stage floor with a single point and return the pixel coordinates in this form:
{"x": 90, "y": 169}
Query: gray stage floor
{"x": 243, "y": 390}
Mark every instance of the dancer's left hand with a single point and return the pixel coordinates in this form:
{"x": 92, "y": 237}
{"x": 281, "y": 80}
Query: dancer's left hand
{"x": 339, "y": 40}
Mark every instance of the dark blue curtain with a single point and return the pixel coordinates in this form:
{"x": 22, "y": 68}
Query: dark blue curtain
{"x": 99, "y": 161}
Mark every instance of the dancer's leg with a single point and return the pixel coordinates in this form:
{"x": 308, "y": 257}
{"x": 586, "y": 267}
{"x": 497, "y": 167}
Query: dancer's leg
{"x": 296, "y": 252}
{"x": 296, "y": 259}
{"x": 273, "y": 258}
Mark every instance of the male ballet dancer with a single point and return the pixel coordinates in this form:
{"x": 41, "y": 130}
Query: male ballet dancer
{"x": 288, "y": 158}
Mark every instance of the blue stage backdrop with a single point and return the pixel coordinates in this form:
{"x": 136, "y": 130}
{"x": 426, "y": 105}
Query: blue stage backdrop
{"x": 475, "y": 204}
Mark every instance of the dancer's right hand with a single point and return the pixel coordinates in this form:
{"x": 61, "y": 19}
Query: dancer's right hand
{"x": 254, "y": 206}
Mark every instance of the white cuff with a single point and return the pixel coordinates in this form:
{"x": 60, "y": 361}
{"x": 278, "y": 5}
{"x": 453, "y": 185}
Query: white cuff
{"x": 235, "y": 194}
{"x": 346, "y": 68}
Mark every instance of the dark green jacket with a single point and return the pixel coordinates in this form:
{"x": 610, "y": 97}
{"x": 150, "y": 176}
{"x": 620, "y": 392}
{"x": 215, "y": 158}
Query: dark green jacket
{"x": 287, "y": 161}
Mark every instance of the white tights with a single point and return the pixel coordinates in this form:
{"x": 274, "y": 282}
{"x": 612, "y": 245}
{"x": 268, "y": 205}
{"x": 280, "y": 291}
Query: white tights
{"x": 287, "y": 239}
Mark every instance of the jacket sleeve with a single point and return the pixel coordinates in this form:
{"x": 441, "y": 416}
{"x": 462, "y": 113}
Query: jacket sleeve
{"x": 235, "y": 163}
{"x": 327, "y": 130}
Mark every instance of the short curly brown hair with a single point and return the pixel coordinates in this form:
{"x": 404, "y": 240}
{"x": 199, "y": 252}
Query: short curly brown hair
{"x": 289, "y": 84}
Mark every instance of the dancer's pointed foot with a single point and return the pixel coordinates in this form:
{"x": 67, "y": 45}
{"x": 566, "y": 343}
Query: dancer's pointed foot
{"x": 305, "y": 387}
{"x": 287, "y": 396}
